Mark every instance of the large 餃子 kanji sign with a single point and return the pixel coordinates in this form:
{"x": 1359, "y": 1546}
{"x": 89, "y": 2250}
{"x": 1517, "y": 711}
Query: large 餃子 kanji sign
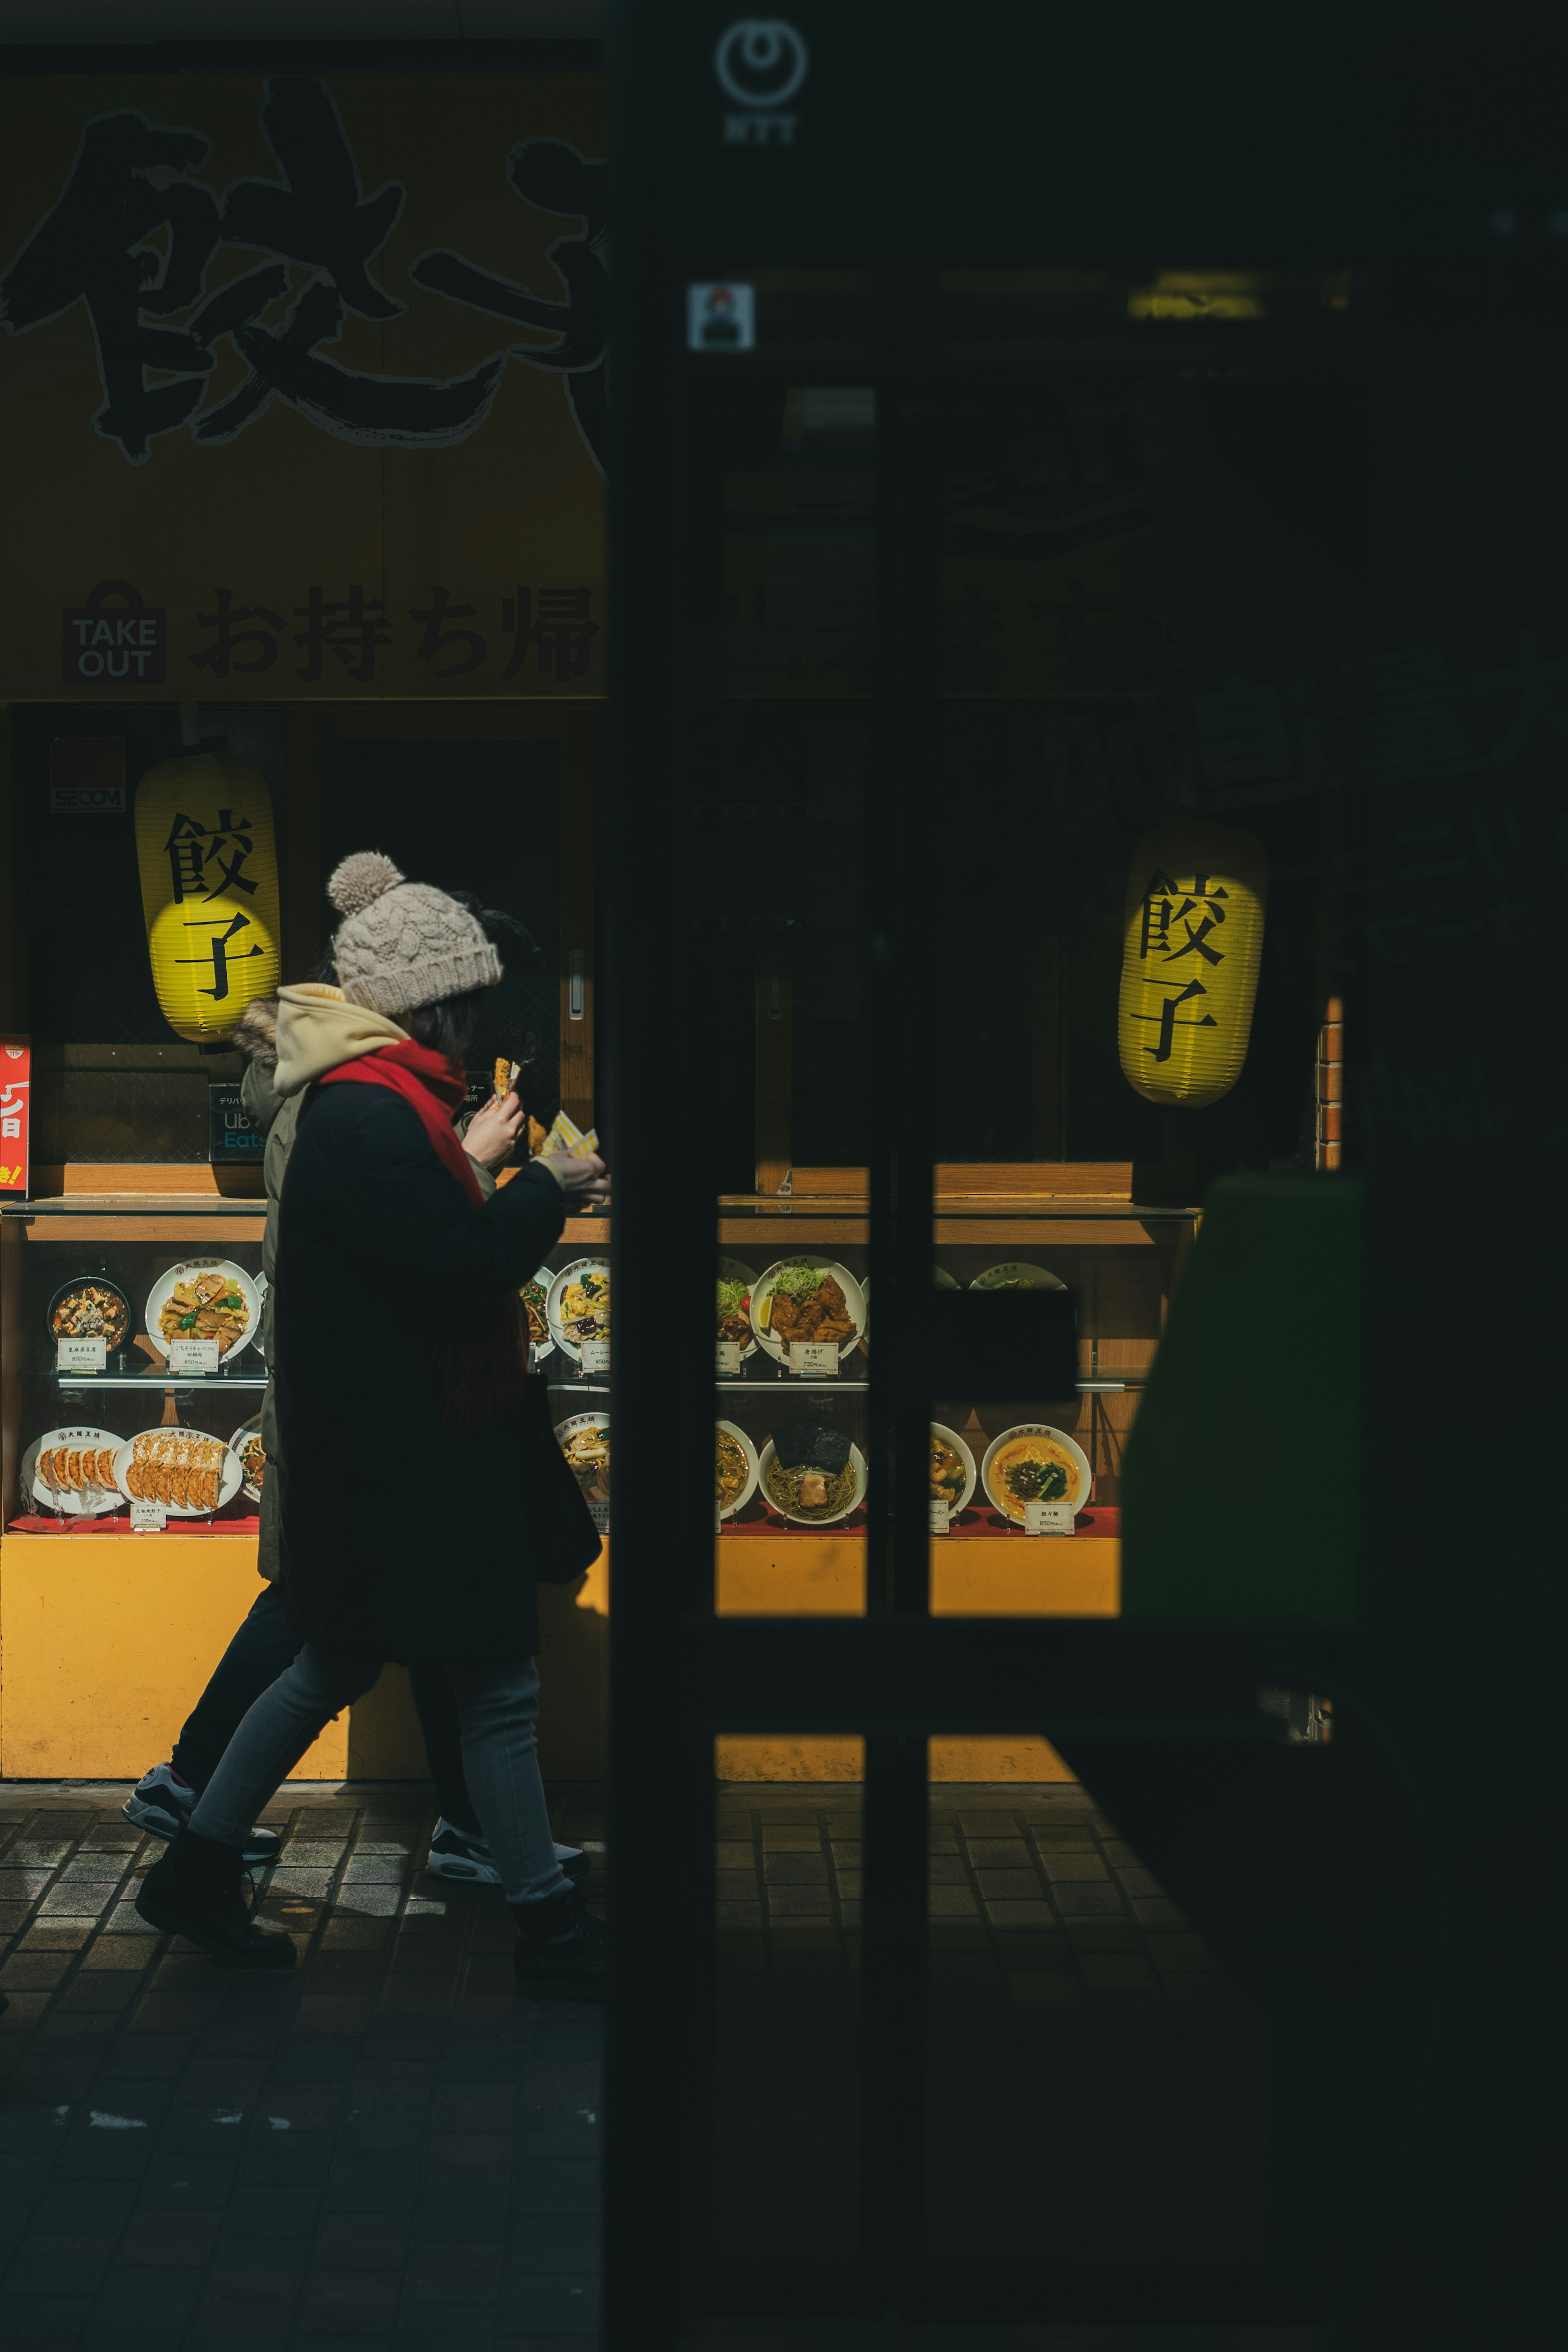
{"x": 305, "y": 385}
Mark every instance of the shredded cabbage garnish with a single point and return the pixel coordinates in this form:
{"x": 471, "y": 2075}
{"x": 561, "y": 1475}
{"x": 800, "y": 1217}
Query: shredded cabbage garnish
{"x": 731, "y": 1298}
{"x": 800, "y": 1281}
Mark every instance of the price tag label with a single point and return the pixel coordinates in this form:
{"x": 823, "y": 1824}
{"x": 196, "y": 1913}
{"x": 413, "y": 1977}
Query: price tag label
{"x": 814, "y": 1360}
{"x": 1047, "y": 1518}
{"x": 81, "y": 1355}
{"x": 147, "y": 1517}
{"x": 193, "y": 1355}
{"x": 601, "y": 1516}
{"x": 727, "y": 1358}
{"x": 595, "y": 1357}
{"x": 719, "y": 1518}
{"x": 941, "y": 1518}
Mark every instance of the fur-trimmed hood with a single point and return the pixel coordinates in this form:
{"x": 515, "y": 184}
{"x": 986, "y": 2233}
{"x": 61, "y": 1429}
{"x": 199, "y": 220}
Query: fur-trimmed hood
{"x": 255, "y": 1032}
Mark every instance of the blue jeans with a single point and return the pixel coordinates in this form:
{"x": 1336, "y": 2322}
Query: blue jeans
{"x": 498, "y": 1706}
{"x": 264, "y": 1645}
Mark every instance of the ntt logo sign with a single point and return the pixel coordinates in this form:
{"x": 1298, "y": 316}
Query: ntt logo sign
{"x": 761, "y": 62}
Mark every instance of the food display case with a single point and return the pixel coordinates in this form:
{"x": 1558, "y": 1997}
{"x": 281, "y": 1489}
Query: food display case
{"x": 792, "y": 1483}
{"x": 132, "y": 1487}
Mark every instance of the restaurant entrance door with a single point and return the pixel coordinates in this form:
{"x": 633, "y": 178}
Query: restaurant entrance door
{"x": 999, "y": 762}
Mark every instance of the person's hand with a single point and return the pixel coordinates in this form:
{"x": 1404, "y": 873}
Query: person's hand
{"x": 493, "y": 1132}
{"x": 583, "y": 1181}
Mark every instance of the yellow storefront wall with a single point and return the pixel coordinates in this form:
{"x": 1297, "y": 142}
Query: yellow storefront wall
{"x": 105, "y": 1642}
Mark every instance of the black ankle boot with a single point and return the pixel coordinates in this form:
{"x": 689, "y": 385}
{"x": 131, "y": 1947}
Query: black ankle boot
{"x": 562, "y": 1951}
{"x": 194, "y": 1890}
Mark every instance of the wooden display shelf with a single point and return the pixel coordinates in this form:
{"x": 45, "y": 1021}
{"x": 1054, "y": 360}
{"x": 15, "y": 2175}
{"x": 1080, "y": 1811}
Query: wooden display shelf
{"x": 983, "y": 1180}
{"x": 102, "y": 1220}
{"x": 117, "y": 1179}
{"x": 112, "y": 1217}
{"x": 1118, "y": 1227}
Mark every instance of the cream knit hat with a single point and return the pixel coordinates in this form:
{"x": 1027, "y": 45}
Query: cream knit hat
{"x": 403, "y": 944}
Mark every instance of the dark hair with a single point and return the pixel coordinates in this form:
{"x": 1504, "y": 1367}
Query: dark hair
{"x": 446, "y": 1028}
{"x": 519, "y": 948}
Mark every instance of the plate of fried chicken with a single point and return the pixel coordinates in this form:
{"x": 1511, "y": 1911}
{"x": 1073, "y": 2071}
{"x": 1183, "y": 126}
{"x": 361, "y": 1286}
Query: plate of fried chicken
{"x": 807, "y": 1297}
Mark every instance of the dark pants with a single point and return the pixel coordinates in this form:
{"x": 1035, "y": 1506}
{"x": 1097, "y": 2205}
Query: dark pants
{"x": 261, "y": 1650}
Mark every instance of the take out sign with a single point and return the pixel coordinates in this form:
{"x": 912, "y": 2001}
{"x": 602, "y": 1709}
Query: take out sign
{"x": 115, "y": 639}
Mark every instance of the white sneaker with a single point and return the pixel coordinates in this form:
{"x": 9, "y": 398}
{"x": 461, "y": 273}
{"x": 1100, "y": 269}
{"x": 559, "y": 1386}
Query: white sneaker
{"x": 161, "y": 1802}
{"x": 454, "y": 1854}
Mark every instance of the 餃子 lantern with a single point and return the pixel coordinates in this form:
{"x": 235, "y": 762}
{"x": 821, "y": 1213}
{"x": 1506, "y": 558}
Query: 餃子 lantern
{"x": 209, "y": 891}
{"x": 1191, "y": 944}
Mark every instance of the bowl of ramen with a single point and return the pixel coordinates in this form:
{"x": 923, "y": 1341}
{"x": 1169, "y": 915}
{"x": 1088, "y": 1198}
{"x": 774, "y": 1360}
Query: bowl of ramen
{"x": 247, "y": 1444}
{"x": 810, "y": 1474}
{"x": 69, "y": 1473}
{"x": 577, "y": 1304}
{"x": 807, "y": 1298}
{"x": 585, "y": 1442}
{"x": 1035, "y": 1464}
{"x": 205, "y": 1299}
{"x": 736, "y": 1283}
{"x": 1014, "y": 1276}
{"x": 91, "y": 1307}
{"x": 953, "y": 1476}
{"x": 190, "y": 1473}
{"x": 535, "y": 1296}
{"x": 735, "y": 1469}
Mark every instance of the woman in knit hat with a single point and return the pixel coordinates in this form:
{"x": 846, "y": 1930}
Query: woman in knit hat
{"x": 422, "y": 1490}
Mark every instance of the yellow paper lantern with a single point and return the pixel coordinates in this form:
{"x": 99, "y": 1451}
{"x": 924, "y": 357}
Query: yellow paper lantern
{"x": 209, "y": 891}
{"x": 1191, "y": 945}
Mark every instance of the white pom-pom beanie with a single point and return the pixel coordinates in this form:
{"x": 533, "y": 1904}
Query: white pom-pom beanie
{"x": 403, "y": 944}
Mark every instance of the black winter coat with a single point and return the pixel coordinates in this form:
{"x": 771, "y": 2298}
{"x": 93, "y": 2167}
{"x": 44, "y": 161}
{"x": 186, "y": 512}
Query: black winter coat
{"x": 403, "y": 1535}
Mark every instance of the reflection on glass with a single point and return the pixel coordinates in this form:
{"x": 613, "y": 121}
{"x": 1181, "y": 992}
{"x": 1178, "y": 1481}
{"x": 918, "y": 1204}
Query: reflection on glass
{"x": 1098, "y": 2088}
{"x": 787, "y": 2111}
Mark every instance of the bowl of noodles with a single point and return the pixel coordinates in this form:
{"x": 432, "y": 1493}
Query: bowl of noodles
{"x": 953, "y": 1476}
{"x": 584, "y": 1439}
{"x": 735, "y": 1469}
{"x": 811, "y": 1475}
{"x": 1035, "y": 1463}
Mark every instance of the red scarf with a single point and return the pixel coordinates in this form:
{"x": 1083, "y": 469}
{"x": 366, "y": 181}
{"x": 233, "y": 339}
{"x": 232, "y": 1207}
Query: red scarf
{"x": 480, "y": 1360}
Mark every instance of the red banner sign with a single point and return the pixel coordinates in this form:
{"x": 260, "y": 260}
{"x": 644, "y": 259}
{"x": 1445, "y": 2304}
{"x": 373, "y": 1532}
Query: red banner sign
{"x": 15, "y": 1095}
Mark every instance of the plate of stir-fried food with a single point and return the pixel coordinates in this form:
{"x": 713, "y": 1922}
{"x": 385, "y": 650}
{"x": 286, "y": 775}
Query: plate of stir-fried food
{"x": 535, "y": 1298}
{"x": 188, "y": 1471}
{"x": 205, "y": 1299}
{"x": 70, "y": 1472}
{"x": 735, "y": 1285}
{"x": 953, "y": 1474}
{"x": 807, "y": 1298}
{"x": 735, "y": 1471}
{"x": 577, "y": 1306}
{"x": 246, "y": 1444}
